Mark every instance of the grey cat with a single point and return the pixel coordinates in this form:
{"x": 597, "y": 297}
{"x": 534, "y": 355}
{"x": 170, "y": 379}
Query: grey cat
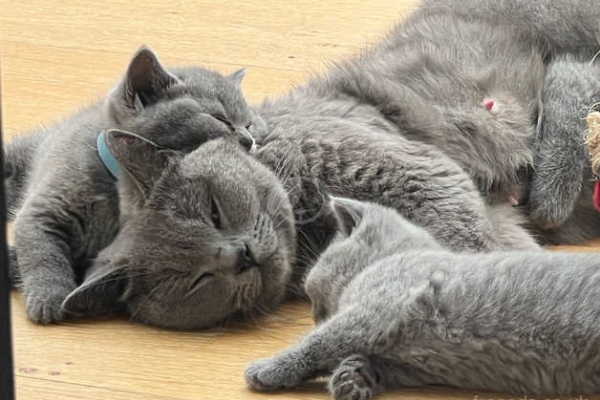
{"x": 69, "y": 209}
{"x": 394, "y": 309}
{"x": 409, "y": 125}
{"x": 226, "y": 239}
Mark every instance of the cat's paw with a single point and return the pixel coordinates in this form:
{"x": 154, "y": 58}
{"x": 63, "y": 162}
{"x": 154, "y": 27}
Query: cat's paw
{"x": 354, "y": 379}
{"x": 550, "y": 211}
{"x": 552, "y": 197}
{"x": 43, "y": 305}
{"x": 270, "y": 375}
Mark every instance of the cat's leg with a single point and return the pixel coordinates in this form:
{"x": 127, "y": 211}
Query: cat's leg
{"x": 561, "y": 162}
{"x": 558, "y": 26}
{"x": 41, "y": 233}
{"x": 317, "y": 354}
{"x": 354, "y": 379}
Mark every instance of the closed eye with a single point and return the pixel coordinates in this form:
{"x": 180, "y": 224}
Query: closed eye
{"x": 200, "y": 279}
{"x": 223, "y": 119}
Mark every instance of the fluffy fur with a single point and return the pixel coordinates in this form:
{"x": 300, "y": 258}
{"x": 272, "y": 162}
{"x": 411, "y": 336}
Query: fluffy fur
{"x": 405, "y": 125}
{"x": 69, "y": 208}
{"x": 397, "y": 310}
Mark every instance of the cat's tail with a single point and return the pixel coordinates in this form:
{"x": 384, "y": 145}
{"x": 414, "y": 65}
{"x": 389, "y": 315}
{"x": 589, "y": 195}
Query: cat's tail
{"x": 19, "y": 156}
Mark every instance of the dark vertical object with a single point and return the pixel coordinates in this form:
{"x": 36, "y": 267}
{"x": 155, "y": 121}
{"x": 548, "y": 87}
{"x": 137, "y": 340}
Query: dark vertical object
{"x": 6, "y": 357}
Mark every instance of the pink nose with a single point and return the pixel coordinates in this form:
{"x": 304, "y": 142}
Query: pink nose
{"x": 489, "y": 104}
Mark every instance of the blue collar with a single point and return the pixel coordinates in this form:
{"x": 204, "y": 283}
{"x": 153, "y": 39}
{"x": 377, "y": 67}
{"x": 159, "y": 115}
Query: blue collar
{"x": 110, "y": 162}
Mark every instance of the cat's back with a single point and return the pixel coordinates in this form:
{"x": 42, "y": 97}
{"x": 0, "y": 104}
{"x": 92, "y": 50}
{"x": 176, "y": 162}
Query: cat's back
{"x": 504, "y": 295}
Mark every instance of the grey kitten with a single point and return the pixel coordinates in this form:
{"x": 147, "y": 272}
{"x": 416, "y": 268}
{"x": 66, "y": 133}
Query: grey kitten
{"x": 397, "y": 310}
{"x": 69, "y": 209}
{"x": 200, "y": 239}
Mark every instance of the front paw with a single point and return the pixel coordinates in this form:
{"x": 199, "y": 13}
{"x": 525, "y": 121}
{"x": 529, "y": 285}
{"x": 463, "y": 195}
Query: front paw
{"x": 269, "y": 375}
{"x": 43, "y": 305}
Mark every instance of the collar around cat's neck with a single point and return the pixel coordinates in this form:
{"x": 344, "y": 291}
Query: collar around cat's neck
{"x": 109, "y": 161}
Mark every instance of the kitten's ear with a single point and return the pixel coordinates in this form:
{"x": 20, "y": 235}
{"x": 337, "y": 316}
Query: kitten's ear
{"x": 100, "y": 293}
{"x": 348, "y": 212}
{"x": 140, "y": 159}
{"x": 144, "y": 80}
{"x": 238, "y": 76}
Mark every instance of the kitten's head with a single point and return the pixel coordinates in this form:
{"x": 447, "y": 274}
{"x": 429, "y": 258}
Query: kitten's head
{"x": 206, "y": 235}
{"x": 368, "y": 232}
{"x": 492, "y": 141}
{"x": 196, "y": 103}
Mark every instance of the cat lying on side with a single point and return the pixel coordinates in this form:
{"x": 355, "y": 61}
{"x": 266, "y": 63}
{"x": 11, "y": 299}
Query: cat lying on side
{"x": 68, "y": 208}
{"x": 394, "y": 310}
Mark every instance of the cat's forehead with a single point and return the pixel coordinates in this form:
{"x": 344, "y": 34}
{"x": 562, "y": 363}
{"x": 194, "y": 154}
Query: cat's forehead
{"x": 202, "y": 83}
{"x": 219, "y": 158}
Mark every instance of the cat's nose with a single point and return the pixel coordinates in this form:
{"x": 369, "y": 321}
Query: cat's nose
{"x": 245, "y": 260}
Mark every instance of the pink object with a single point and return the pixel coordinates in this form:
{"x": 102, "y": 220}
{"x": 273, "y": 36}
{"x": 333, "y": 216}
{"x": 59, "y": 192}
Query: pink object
{"x": 513, "y": 201}
{"x": 489, "y": 104}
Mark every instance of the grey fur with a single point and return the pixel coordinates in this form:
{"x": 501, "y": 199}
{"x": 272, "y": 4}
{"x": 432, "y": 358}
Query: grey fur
{"x": 404, "y": 125}
{"x": 70, "y": 207}
{"x": 226, "y": 240}
{"x": 397, "y": 310}
{"x": 561, "y": 188}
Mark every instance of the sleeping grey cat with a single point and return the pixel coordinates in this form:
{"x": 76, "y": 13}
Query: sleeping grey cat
{"x": 408, "y": 125}
{"x": 397, "y": 310}
{"x": 69, "y": 210}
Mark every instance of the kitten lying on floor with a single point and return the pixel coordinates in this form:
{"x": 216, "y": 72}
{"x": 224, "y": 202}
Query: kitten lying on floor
{"x": 396, "y": 310}
{"x": 66, "y": 202}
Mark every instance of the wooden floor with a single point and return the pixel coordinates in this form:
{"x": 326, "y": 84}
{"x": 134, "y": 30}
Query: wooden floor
{"x": 58, "y": 55}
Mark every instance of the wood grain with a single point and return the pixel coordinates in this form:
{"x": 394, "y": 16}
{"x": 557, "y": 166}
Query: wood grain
{"x": 60, "y": 55}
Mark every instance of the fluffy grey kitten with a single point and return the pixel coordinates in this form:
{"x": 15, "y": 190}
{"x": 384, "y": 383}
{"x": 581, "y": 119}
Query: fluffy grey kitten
{"x": 69, "y": 208}
{"x": 397, "y": 310}
{"x": 200, "y": 239}
{"x": 408, "y": 125}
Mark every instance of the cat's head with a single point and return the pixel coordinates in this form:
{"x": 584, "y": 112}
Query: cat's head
{"x": 492, "y": 142}
{"x": 206, "y": 235}
{"x": 368, "y": 232}
{"x": 196, "y": 103}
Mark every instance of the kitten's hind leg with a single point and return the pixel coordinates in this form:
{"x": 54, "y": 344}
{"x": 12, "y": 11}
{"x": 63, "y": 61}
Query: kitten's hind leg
{"x": 561, "y": 158}
{"x": 354, "y": 379}
{"x": 317, "y": 354}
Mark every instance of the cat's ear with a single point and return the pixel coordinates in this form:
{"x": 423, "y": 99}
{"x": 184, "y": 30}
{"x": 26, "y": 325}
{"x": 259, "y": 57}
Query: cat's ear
{"x": 100, "y": 293}
{"x": 139, "y": 159}
{"x": 144, "y": 80}
{"x": 238, "y": 76}
{"x": 348, "y": 212}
